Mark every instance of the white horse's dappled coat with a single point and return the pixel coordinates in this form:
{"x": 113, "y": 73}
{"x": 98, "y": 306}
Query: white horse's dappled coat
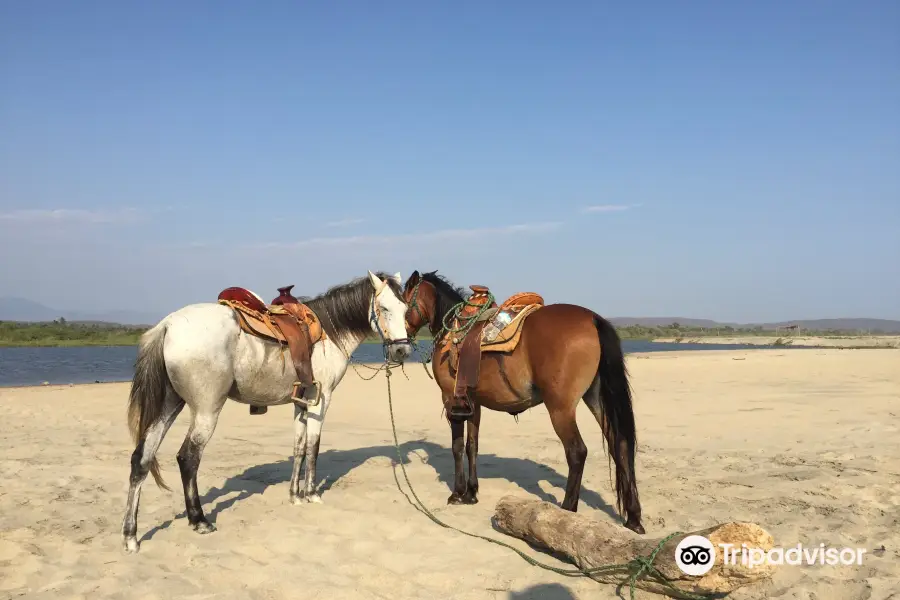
{"x": 198, "y": 356}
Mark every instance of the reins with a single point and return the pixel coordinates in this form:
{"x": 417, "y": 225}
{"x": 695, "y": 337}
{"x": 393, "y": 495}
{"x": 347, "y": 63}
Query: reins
{"x": 632, "y": 570}
{"x": 452, "y": 314}
{"x": 385, "y": 342}
{"x": 641, "y": 566}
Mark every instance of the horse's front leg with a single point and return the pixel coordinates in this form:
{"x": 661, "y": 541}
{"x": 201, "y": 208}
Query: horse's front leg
{"x": 457, "y": 428}
{"x": 472, "y": 426}
{"x": 299, "y": 452}
{"x": 315, "y": 421}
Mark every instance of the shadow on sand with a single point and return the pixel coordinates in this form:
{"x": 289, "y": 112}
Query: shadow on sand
{"x": 543, "y": 591}
{"x": 333, "y": 465}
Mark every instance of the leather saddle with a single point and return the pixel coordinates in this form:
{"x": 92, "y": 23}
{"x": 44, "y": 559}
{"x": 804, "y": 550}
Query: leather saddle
{"x": 286, "y": 321}
{"x": 465, "y": 350}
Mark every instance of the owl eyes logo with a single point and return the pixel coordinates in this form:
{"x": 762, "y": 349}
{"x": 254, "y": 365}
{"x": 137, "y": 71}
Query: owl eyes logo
{"x": 695, "y": 555}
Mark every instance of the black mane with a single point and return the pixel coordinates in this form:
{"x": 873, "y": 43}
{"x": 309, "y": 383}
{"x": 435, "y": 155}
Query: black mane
{"x": 448, "y": 295}
{"x": 344, "y": 308}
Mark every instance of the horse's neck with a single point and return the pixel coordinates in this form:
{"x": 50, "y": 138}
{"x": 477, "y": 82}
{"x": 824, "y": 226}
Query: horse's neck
{"x": 437, "y": 324}
{"x": 437, "y": 321}
{"x": 349, "y": 342}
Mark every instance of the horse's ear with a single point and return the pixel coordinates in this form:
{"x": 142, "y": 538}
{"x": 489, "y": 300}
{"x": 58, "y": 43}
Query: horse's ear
{"x": 398, "y": 278}
{"x": 413, "y": 279}
{"x": 377, "y": 283}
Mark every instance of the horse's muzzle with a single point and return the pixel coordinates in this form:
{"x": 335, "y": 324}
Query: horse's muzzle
{"x": 398, "y": 350}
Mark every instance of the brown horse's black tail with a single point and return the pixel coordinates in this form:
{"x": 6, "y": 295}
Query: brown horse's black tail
{"x": 613, "y": 410}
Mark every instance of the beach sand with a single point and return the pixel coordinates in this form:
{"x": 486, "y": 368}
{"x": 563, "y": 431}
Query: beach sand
{"x": 803, "y": 442}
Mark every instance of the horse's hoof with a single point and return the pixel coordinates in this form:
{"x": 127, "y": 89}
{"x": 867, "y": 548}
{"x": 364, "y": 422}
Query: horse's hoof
{"x": 457, "y": 499}
{"x": 635, "y": 527}
{"x": 203, "y": 527}
{"x": 314, "y": 498}
{"x": 132, "y": 545}
{"x": 297, "y": 500}
{"x": 469, "y": 499}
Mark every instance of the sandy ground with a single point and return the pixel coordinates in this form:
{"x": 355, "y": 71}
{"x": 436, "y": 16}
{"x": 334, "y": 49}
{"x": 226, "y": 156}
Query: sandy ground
{"x": 803, "y": 442}
{"x": 869, "y": 341}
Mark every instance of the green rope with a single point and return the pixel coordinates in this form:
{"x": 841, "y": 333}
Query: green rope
{"x": 637, "y": 567}
{"x": 466, "y": 322}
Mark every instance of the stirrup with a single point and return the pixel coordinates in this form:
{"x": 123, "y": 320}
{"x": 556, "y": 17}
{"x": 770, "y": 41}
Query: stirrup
{"x": 299, "y": 399}
{"x": 463, "y": 412}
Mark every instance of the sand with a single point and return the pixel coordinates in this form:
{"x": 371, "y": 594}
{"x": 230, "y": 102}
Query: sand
{"x": 803, "y": 442}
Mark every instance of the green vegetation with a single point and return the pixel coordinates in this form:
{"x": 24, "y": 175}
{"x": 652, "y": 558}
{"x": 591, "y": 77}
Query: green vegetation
{"x": 681, "y": 332}
{"x": 63, "y": 333}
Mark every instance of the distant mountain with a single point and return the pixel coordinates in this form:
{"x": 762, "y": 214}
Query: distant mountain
{"x": 21, "y": 309}
{"x": 665, "y": 321}
{"x": 847, "y": 324}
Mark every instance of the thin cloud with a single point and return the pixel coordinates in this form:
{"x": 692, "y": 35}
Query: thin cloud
{"x": 444, "y": 234}
{"x": 71, "y": 215}
{"x": 344, "y": 223}
{"x": 601, "y": 208}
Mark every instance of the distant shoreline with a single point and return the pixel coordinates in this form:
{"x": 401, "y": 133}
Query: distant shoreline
{"x": 67, "y": 344}
{"x": 805, "y": 341}
{"x": 119, "y": 338}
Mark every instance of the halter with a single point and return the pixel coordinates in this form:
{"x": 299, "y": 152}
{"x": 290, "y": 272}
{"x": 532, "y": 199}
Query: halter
{"x": 414, "y": 305}
{"x": 375, "y": 317}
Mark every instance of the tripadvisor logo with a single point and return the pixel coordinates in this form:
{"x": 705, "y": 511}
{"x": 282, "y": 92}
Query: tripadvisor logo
{"x": 696, "y": 555}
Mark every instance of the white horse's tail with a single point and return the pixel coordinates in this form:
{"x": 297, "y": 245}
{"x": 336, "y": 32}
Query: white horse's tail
{"x": 148, "y": 390}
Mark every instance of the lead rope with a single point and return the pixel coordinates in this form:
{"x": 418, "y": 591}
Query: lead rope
{"x": 350, "y": 361}
{"x": 641, "y": 565}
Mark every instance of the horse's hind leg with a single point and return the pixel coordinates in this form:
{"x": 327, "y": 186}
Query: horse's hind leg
{"x": 141, "y": 459}
{"x": 201, "y": 430}
{"x": 562, "y": 416}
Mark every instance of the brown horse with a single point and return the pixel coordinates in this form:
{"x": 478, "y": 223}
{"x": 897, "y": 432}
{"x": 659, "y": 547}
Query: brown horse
{"x": 565, "y": 353}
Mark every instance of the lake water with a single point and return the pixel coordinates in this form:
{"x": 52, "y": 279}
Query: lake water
{"x": 34, "y": 366}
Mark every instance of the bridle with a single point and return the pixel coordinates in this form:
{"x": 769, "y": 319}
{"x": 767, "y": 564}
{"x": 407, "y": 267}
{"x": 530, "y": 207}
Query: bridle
{"x": 413, "y": 304}
{"x": 375, "y": 317}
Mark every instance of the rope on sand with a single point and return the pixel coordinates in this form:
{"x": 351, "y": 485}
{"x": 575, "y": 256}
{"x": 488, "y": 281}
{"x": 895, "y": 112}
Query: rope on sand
{"x": 641, "y": 566}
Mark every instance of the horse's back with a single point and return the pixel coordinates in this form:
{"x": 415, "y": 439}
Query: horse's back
{"x": 561, "y": 339}
{"x": 200, "y": 334}
{"x": 560, "y": 322}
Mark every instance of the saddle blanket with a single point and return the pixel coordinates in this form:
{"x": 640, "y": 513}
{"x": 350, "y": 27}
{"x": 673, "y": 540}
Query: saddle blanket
{"x": 501, "y": 333}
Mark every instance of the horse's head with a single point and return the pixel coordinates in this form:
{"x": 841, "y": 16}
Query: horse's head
{"x": 387, "y": 316}
{"x": 420, "y": 297}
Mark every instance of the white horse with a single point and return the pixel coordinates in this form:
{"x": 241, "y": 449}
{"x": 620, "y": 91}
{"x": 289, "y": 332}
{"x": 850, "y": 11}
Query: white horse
{"x": 199, "y": 356}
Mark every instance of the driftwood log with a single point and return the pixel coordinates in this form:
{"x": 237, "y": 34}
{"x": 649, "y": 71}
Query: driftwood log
{"x": 590, "y": 544}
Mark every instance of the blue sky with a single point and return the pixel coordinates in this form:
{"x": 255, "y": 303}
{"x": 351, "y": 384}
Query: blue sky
{"x": 728, "y": 160}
